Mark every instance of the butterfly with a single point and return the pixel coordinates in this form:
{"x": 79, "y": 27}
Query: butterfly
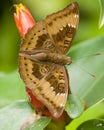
{"x": 42, "y": 60}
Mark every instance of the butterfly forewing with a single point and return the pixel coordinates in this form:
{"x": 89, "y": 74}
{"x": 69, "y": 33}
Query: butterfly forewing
{"x": 52, "y": 90}
{"x": 62, "y": 26}
{"x": 38, "y": 38}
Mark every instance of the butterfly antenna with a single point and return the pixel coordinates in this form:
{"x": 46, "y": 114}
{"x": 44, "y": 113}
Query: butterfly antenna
{"x": 96, "y": 54}
{"x": 92, "y": 75}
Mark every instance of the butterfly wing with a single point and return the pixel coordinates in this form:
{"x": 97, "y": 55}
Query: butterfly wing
{"x": 38, "y": 39}
{"x": 52, "y": 90}
{"x": 62, "y": 26}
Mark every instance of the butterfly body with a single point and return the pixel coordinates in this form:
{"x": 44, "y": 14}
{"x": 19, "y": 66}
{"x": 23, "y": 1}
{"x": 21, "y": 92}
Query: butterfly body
{"x": 42, "y": 59}
{"x": 46, "y": 56}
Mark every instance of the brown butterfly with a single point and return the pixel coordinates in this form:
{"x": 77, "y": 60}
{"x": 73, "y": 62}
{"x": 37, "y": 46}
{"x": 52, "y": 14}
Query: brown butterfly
{"x": 42, "y": 59}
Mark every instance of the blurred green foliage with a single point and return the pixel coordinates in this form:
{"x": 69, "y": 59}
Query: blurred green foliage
{"x": 9, "y": 45}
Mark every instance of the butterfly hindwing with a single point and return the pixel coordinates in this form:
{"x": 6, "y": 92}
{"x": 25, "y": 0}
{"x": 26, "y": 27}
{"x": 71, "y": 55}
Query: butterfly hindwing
{"x": 62, "y": 26}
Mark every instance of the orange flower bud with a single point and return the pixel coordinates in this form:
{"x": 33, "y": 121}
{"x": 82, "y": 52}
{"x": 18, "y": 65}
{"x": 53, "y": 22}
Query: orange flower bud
{"x": 23, "y": 19}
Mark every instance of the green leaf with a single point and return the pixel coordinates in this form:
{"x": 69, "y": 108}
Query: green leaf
{"x": 74, "y": 106}
{"x": 11, "y": 88}
{"x": 12, "y": 116}
{"x": 94, "y": 124}
{"x": 94, "y": 112}
{"x": 101, "y": 21}
{"x": 39, "y": 124}
{"x": 15, "y": 115}
{"x": 82, "y": 83}
{"x": 56, "y": 125}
